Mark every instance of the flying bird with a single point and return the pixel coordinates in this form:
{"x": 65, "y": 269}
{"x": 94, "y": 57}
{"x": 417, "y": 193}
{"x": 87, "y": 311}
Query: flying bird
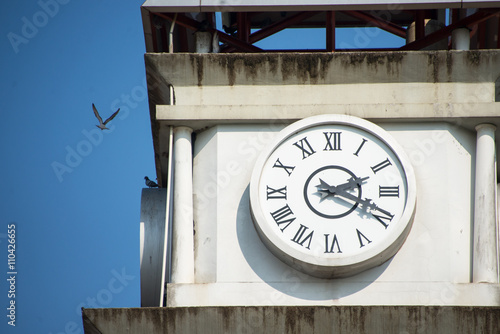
{"x": 102, "y": 125}
{"x": 149, "y": 183}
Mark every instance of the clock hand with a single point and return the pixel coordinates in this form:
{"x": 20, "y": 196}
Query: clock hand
{"x": 325, "y": 190}
{"x": 365, "y": 203}
{"x": 350, "y": 184}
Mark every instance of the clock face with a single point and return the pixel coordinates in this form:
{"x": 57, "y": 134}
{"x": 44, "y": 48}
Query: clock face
{"x": 334, "y": 195}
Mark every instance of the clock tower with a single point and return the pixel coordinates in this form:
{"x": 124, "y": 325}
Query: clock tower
{"x": 327, "y": 190}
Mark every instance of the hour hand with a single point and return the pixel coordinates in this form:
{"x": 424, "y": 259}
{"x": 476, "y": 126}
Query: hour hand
{"x": 350, "y": 184}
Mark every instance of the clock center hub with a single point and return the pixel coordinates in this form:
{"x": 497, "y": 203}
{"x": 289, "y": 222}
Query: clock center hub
{"x": 322, "y": 188}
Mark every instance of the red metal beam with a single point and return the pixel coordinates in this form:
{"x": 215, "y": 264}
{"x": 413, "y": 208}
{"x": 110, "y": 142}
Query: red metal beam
{"x": 189, "y": 23}
{"x": 183, "y": 40}
{"x": 378, "y": 22}
{"x": 243, "y": 23}
{"x": 475, "y": 18}
{"x": 330, "y": 31}
{"x": 277, "y": 27}
{"x": 280, "y": 25}
{"x": 153, "y": 33}
{"x": 419, "y": 24}
{"x": 481, "y": 35}
{"x": 498, "y": 33}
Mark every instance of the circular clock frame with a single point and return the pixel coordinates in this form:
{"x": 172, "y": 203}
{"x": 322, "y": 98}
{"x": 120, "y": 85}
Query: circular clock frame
{"x": 340, "y": 265}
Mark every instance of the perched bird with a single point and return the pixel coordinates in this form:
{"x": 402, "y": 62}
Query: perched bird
{"x": 102, "y": 125}
{"x": 149, "y": 183}
{"x": 229, "y": 30}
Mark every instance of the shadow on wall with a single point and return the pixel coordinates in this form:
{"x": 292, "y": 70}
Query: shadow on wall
{"x": 285, "y": 279}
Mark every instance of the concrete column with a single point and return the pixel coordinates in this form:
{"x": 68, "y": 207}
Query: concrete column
{"x": 203, "y": 41}
{"x": 485, "y": 259}
{"x": 460, "y": 39}
{"x": 182, "y": 226}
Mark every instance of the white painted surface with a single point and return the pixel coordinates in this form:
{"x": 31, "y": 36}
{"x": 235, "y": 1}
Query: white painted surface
{"x": 335, "y": 292}
{"x": 438, "y": 248}
{"x": 182, "y": 229}
{"x": 485, "y": 261}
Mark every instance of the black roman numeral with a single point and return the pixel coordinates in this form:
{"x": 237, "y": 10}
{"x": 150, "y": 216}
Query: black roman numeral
{"x": 329, "y": 249}
{"x": 299, "y": 236}
{"x": 386, "y": 217}
{"x": 360, "y": 146}
{"x": 388, "y": 191}
{"x": 276, "y": 193}
{"x": 381, "y": 165}
{"x": 283, "y": 216}
{"x": 332, "y": 141}
{"x": 361, "y": 236}
{"x": 306, "y": 151}
{"x": 288, "y": 169}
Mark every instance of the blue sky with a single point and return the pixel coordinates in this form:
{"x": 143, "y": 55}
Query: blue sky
{"x": 72, "y": 191}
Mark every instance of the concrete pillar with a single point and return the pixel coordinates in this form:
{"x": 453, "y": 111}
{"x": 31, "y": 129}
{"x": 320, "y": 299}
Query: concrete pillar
{"x": 485, "y": 259}
{"x": 182, "y": 225}
{"x": 460, "y": 39}
{"x": 203, "y": 41}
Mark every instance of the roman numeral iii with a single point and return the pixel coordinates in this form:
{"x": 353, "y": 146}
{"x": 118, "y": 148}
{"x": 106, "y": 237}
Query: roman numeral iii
{"x": 388, "y": 191}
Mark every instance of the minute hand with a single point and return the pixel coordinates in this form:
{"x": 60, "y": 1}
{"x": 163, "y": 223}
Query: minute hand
{"x": 367, "y": 203}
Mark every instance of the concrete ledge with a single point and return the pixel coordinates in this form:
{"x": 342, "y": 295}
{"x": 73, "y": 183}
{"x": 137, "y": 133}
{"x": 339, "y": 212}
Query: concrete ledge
{"x": 341, "y": 292}
{"x": 466, "y": 115}
{"x": 294, "y": 319}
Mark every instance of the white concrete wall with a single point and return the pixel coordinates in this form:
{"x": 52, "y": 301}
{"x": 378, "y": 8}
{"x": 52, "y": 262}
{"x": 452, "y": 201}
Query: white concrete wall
{"x": 438, "y": 249}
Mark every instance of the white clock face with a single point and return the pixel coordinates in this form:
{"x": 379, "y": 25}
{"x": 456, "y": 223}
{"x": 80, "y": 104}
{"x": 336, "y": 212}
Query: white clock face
{"x": 333, "y": 196}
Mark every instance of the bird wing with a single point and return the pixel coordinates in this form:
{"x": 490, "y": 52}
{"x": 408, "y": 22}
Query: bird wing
{"x": 97, "y": 114}
{"x": 112, "y": 116}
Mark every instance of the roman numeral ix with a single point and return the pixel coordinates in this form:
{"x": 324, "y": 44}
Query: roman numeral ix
{"x": 276, "y": 193}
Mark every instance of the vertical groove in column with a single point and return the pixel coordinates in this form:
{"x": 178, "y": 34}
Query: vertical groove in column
{"x": 182, "y": 229}
{"x": 485, "y": 259}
